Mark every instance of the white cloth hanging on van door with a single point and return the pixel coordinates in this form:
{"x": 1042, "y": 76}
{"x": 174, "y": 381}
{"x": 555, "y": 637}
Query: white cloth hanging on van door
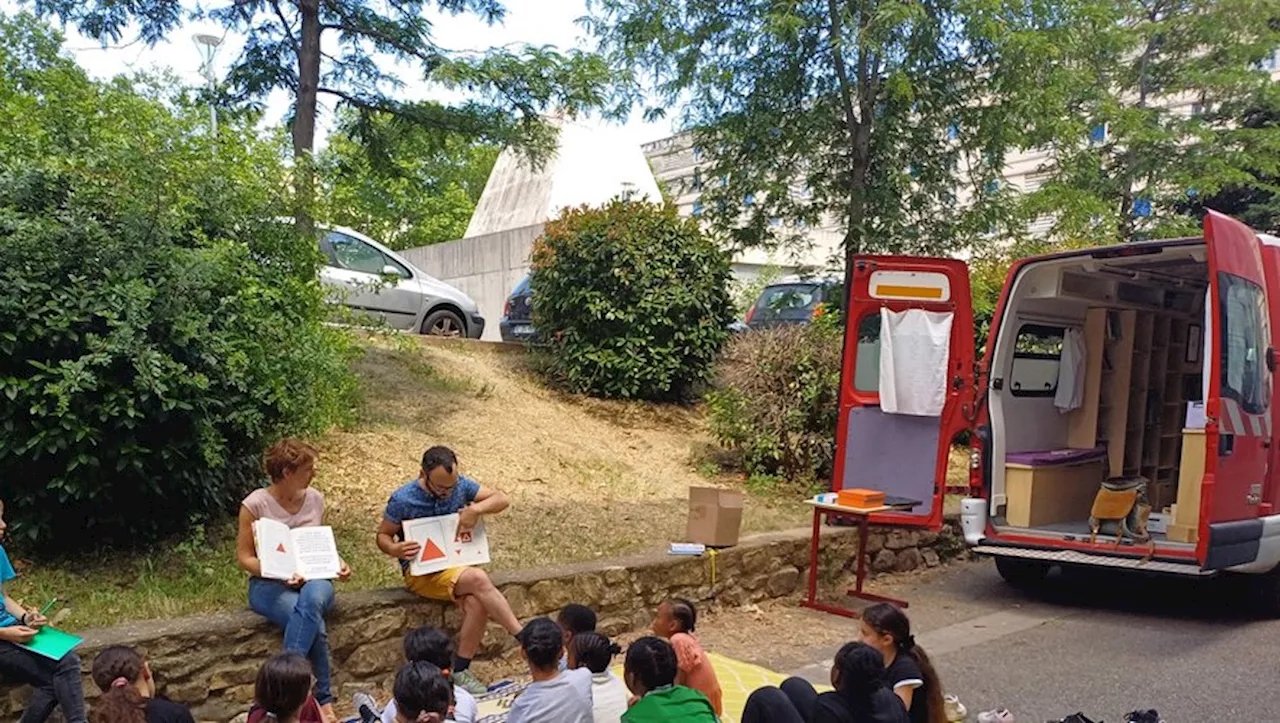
{"x": 914, "y": 347}
{"x": 1070, "y": 394}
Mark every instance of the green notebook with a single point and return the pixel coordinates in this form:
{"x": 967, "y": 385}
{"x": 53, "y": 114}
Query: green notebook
{"x": 52, "y": 643}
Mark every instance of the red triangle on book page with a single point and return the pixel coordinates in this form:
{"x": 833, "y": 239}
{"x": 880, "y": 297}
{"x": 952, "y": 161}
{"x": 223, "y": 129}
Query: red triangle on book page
{"x": 431, "y": 552}
{"x": 280, "y": 548}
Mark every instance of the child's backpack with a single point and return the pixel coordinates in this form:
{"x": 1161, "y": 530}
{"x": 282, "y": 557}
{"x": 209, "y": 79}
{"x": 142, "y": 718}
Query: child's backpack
{"x": 1121, "y": 509}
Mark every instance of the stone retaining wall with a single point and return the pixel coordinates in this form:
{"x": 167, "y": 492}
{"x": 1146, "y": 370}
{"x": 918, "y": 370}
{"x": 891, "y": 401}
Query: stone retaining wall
{"x": 209, "y": 662}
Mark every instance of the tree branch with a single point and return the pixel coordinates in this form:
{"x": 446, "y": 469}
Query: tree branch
{"x": 842, "y": 73}
{"x": 288, "y": 29}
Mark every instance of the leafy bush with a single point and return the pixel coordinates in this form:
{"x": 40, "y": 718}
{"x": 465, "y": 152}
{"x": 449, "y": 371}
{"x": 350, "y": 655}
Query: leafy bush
{"x": 632, "y": 299}
{"x": 157, "y": 327}
{"x": 776, "y": 399}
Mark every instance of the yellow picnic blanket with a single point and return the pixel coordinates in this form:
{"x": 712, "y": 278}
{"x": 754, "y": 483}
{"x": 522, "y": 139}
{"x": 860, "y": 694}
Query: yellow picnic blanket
{"x": 737, "y": 679}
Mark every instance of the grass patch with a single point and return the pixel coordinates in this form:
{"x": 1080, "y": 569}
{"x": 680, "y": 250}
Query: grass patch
{"x": 587, "y": 479}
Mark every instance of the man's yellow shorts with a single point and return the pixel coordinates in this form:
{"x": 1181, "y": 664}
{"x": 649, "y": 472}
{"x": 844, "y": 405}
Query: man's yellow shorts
{"x": 435, "y": 586}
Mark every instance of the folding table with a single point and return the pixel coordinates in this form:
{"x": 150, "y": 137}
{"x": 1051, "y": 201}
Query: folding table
{"x": 821, "y": 508}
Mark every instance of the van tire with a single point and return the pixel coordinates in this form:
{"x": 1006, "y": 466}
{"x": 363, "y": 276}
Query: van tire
{"x": 1022, "y": 573}
{"x": 1265, "y": 589}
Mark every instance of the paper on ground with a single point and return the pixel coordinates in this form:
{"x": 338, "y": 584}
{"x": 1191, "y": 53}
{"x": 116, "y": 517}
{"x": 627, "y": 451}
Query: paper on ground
{"x": 441, "y": 546}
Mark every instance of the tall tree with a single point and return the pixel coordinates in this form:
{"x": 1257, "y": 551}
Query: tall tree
{"x": 314, "y": 48}
{"x": 1255, "y": 199}
{"x": 406, "y": 186}
{"x": 872, "y": 114}
{"x": 1154, "y": 115}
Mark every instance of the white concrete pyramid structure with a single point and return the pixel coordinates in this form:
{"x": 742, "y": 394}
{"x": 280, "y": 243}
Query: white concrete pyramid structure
{"x": 592, "y": 164}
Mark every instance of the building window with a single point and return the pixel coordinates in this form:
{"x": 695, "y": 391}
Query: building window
{"x": 749, "y": 200}
{"x": 1098, "y": 133}
{"x": 697, "y": 179}
{"x": 1141, "y": 207}
{"x": 697, "y": 208}
{"x": 697, "y": 153}
{"x": 953, "y": 132}
{"x": 992, "y": 186}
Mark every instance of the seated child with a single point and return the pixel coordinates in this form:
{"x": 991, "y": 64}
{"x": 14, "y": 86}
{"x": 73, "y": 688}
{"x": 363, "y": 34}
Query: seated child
{"x": 574, "y": 619}
{"x": 282, "y": 692}
{"x": 860, "y": 695}
{"x": 129, "y": 691}
{"x": 427, "y": 645}
{"x": 421, "y": 694}
{"x": 595, "y": 652}
{"x": 56, "y": 682}
{"x": 908, "y": 669}
{"x": 650, "y": 673}
{"x": 553, "y": 696}
{"x": 676, "y": 621}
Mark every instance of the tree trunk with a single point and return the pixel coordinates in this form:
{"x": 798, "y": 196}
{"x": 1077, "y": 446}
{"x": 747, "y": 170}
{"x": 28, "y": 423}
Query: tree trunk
{"x": 304, "y": 117}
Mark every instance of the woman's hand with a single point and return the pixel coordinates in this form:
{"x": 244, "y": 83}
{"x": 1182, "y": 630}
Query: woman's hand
{"x": 17, "y": 634}
{"x": 344, "y": 572}
{"x": 295, "y": 582}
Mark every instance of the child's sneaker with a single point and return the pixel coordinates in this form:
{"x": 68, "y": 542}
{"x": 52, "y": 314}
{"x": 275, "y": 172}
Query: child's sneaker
{"x": 999, "y": 715}
{"x": 469, "y": 682}
{"x": 366, "y": 707}
{"x": 954, "y": 709}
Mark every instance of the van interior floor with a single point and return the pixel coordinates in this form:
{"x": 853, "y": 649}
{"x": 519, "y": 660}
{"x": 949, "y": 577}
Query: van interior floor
{"x": 1079, "y": 530}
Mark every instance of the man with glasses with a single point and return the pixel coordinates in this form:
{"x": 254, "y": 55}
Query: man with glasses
{"x": 440, "y": 490}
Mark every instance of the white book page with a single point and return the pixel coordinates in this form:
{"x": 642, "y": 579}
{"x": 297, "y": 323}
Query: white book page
{"x": 442, "y": 547}
{"x": 275, "y": 549}
{"x": 316, "y": 553}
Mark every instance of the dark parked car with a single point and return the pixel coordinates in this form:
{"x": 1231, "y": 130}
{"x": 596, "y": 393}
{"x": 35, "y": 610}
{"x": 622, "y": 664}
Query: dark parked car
{"x": 516, "y": 324}
{"x": 792, "y": 302}
{"x": 517, "y": 315}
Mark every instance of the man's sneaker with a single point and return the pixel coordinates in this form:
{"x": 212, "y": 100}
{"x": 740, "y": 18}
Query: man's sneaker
{"x": 954, "y": 709}
{"x": 999, "y": 715}
{"x": 366, "y": 707}
{"x": 469, "y": 682}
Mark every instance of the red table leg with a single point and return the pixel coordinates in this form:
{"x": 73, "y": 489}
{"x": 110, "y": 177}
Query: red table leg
{"x": 811, "y": 601}
{"x": 864, "y": 531}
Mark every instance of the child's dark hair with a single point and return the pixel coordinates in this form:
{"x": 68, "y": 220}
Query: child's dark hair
{"x": 684, "y": 612}
{"x": 283, "y": 685}
{"x": 652, "y": 661}
{"x": 859, "y": 673}
{"x": 420, "y": 688}
{"x": 593, "y": 651}
{"x": 115, "y": 670}
{"x": 439, "y": 456}
{"x": 887, "y": 619}
{"x": 577, "y": 619}
{"x": 542, "y": 641}
{"x": 429, "y": 645}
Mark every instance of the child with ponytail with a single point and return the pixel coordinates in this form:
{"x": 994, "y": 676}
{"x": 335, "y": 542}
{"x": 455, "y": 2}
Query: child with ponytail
{"x": 907, "y": 668}
{"x": 595, "y": 652}
{"x": 129, "y": 691}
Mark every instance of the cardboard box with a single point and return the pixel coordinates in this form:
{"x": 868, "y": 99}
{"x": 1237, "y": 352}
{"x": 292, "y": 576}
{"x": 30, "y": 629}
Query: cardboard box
{"x": 860, "y": 499}
{"x": 1158, "y": 523}
{"x": 715, "y": 516}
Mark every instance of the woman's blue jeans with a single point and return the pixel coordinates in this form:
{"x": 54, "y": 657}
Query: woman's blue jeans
{"x": 301, "y": 614}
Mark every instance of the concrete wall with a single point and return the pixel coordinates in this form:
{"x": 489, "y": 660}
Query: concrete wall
{"x": 485, "y": 267}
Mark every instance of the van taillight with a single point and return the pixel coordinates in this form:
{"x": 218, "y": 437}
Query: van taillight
{"x": 506, "y": 307}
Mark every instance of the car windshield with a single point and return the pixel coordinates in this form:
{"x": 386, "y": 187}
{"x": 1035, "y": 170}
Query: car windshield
{"x": 788, "y": 302}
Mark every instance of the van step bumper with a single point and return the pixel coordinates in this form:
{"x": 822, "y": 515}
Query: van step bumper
{"x": 1071, "y": 557}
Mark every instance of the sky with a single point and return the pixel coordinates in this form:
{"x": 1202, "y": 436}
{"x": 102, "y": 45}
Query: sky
{"x": 536, "y": 22}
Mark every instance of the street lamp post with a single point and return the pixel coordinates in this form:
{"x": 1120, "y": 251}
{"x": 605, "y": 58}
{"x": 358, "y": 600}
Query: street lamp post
{"x": 208, "y": 46}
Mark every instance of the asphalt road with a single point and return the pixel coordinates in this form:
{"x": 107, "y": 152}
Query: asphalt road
{"x": 1098, "y": 643}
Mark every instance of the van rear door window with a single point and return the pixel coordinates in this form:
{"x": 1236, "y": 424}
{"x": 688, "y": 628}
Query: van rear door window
{"x": 1244, "y": 333}
{"x": 1037, "y": 352}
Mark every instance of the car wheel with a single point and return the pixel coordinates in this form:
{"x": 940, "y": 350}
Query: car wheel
{"x": 1021, "y": 573}
{"x": 443, "y": 323}
{"x": 1265, "y": 589}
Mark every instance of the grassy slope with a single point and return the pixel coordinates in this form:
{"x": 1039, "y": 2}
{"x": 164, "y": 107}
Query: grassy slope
{"x": 587, "y": 479}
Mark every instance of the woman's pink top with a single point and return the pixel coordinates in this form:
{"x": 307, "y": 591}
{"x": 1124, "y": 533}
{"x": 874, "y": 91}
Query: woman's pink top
{"x": 263, "y": 506}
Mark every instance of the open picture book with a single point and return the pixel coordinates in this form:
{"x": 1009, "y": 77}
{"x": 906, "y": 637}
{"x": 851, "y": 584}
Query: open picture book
{"x": 308, "y": 552}
{"x": 442, "y": 546}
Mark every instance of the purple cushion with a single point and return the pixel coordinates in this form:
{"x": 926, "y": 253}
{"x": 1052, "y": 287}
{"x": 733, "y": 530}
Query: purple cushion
{"x": 1051, "y": 457}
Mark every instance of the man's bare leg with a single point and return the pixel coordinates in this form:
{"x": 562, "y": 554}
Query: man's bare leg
{"x": 476, "y": 583}
{"x": 472, "y": 630}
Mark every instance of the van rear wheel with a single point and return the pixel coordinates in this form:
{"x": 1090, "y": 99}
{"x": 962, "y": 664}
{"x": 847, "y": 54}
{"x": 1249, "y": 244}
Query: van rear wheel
{"x": 1020, "y": 572}
{"x": 1265, "y": 589}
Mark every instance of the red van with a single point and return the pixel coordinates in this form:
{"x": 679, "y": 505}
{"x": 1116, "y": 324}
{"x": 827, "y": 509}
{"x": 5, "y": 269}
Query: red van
{"x": 1148, "y": 364}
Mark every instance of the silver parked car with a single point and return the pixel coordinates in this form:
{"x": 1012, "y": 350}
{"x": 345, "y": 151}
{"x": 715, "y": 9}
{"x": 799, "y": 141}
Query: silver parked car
{"x": 372, "y": 279}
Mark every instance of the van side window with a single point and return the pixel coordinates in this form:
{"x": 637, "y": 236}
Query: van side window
{"x": 1244, "y": 343}
{"x": 1037, "y": 352}
{"x": 866, "y": 370}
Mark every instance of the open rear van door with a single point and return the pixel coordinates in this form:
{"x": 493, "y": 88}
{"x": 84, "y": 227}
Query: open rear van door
{"x": 1237, "y": 409}
{"x": 910, "y": 328}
